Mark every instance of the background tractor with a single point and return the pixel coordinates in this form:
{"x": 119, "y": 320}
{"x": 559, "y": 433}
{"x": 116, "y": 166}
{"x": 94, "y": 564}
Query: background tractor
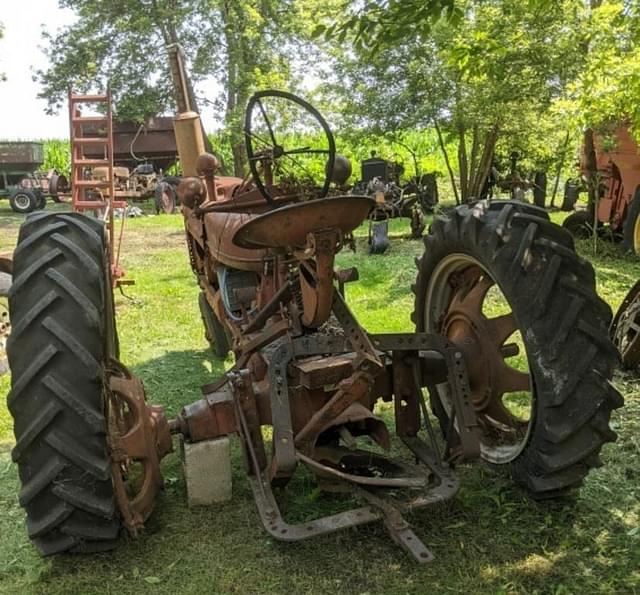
{"x": 618, "y": 183}
{"x": 510, "y": 351}
{"x": 380, "y": 179}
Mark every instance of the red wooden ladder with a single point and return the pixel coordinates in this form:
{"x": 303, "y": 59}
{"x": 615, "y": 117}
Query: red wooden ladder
{"x": 92, "y": 146}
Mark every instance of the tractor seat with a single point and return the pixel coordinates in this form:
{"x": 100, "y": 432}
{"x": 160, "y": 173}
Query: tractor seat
{"x": 221, "y": 228}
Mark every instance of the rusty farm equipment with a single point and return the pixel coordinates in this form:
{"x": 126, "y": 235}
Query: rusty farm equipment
{"x": 19, "y": 162}
{"x": 133, "y": 159}
{"x": 618, "y": 190}
{"x": 625, "y": 328}
{"x": 510, "y": 352}
{"x": 380, "y": 179}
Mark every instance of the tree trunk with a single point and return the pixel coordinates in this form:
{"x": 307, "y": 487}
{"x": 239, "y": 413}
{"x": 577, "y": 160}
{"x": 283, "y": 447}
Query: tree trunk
{"x": 443, "y": 148}
{"x": 232, "y": 118}
{"x": 474, "y": 149}
{"x": 481, "y": 173}
{"x": 591, "y": 166}
{"x": 463, "y": 163}
{"x": 563, "y": 156}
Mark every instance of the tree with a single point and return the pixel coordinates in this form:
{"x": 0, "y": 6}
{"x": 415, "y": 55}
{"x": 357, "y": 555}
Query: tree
{"x": 122, "y": 42}
{"x": 486, "y": 73}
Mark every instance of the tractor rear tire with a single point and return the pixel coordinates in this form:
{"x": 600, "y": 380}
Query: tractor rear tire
{"x": 61, "y": 315}
{"x": 563, "y": 325}
{"x": 213, "y": 329}
{"x": 631, "y": 229}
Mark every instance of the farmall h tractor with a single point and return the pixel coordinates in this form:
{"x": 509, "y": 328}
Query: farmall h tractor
{"x": 510, "y": 355}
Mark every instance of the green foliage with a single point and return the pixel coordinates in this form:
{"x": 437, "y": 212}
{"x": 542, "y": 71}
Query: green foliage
{"x": 57, "y": 155}
{"x": 377, "y": 23}
{"x": 607, "y": 89}
{"x": 242, "y": 44}
{"x": 487, "y": 77}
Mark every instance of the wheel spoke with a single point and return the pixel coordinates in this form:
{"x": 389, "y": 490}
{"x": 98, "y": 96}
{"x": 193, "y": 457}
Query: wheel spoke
{"x": 472, "y": 301}
{"x": 306, "y": 171}
{"x": 511, "y": 380}
{"x": 266, "y": 119}
{"x": 501, "y": 327}
{"x": 307, "y": 150}
{"x": 258, "y": 138}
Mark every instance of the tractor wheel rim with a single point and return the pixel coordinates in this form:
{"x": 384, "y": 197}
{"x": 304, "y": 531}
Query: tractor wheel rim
{"x": 626, "y": 323}
{"x": 21, "y": 201}
{"x": 459, "y": 292}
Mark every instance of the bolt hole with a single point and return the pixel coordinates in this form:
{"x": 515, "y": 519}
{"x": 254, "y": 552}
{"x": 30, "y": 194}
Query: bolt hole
{"x": 283, "y": 531}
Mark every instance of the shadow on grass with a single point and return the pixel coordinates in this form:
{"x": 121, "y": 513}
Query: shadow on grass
{"x": 175, "y": 379}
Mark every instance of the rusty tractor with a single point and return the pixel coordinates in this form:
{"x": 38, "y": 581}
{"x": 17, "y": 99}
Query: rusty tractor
{"x": 618, "y": 190}
{"x": 509, "y": 363}
{"x": 380, "y": 179}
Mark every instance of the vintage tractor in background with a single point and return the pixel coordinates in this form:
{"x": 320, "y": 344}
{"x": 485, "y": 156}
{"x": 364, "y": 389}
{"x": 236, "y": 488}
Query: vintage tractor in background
{"x": 618, "y": 204}
{"x": 380, "y": 179}
{"x": 141, "y": 183}
{"x": 516, "y": 183}
{"x": 510, "y": 352}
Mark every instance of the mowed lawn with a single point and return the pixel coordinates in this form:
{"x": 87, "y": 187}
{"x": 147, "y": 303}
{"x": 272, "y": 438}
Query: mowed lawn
{"x": 489, "y": 539}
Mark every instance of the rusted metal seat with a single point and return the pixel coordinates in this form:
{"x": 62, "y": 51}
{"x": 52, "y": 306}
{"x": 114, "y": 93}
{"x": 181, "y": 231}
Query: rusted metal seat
{"x": 289, "y": 226}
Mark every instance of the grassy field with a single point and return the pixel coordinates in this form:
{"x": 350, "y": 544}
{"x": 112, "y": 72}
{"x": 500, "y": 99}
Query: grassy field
{"x": 489, "y": 539}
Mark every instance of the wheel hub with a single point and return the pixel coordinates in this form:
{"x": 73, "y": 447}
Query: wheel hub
{"x": 139, "y": 437}
{"x": 22, "y": 201}
{"x": 460, "y": 293}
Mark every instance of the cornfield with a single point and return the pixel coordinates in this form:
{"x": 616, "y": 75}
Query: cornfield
{"x": 57, "y": 155}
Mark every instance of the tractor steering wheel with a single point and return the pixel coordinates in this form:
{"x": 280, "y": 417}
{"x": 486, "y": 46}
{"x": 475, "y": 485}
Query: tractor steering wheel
{"x": 267, "y": 149}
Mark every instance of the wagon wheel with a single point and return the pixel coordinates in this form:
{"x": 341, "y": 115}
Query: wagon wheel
{"x": 625, "y": 328}
{"x": 306, "y": 167}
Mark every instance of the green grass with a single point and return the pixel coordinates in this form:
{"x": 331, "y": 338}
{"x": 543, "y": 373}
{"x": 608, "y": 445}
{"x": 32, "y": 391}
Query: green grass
{"x": 489, "y": 539}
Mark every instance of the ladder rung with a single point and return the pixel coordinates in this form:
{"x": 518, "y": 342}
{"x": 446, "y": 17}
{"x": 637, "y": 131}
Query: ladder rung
{"x": 90, "y": 140}
{"x": 90, "y": 204}
{"x": 99, "y": 204}
{"x": 89, "y": 98}
{"x": 92, "y": 183}
{"x": 91, "y": 162}
{"x": 90, "y": 120}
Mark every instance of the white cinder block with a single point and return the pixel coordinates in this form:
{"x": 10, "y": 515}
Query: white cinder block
{"x": 207, "y": 471}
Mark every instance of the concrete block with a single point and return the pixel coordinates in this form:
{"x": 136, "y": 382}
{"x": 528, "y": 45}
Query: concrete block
{"x": 207, "y": 471}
